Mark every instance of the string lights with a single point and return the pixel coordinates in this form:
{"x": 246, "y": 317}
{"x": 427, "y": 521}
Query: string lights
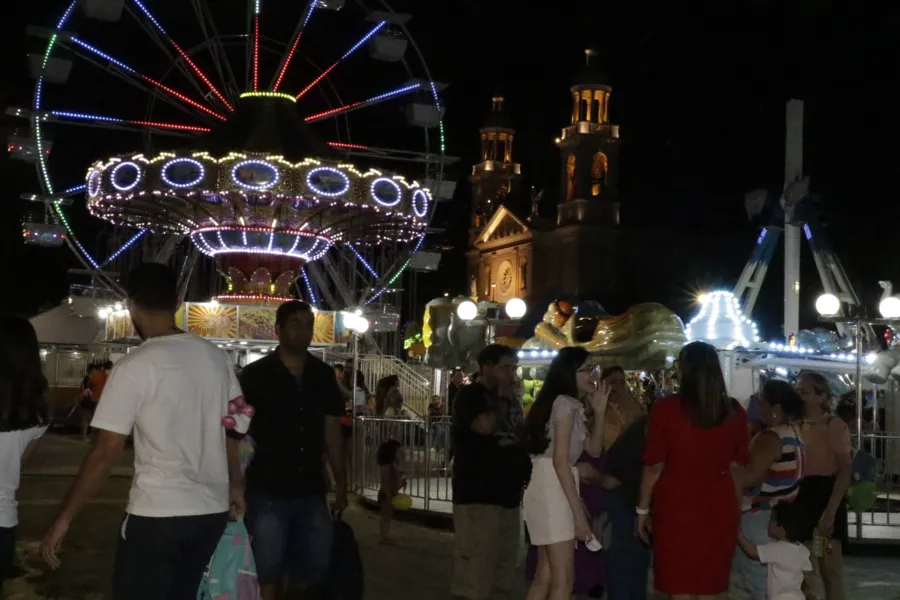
{"x": 373, "y": 100}
{"x": 184, "y": 55}
{"x": 721, "y": 322}
{"x": 380, "y": 198}
{"x": 268, "y": 95}
{"x": 317, "y": 188}
{"x": 352, "y": 49}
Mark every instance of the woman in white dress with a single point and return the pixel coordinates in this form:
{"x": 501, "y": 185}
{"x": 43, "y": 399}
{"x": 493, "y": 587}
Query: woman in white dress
{"x": 557, "y": 435}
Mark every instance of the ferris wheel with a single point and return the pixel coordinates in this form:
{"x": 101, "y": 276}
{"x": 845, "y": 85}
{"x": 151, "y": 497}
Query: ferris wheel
{"x": 240, "y": 130}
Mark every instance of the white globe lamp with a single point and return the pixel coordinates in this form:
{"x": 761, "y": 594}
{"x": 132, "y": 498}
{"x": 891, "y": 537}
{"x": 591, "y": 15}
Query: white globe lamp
{"x": 361, "y": 325}
{"x": 467, "y": 310}
{"x": 516, "y": 308}
{"x": 828, "y": 305}
{"x": 890, "y": 307}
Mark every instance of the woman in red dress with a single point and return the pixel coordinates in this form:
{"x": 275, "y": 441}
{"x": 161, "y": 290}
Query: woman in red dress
{"x": 696, "y": 442}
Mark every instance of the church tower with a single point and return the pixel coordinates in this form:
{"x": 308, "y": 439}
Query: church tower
{"x": 496, "y": 176}
{"x": 589, "y": 153}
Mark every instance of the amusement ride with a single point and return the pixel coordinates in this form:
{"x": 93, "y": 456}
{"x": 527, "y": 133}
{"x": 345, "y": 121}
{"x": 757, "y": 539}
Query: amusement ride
{"x": 237, "y": 146}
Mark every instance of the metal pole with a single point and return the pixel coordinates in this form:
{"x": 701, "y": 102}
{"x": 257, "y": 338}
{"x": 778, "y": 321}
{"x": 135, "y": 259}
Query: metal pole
{"x": 859, "y": 408}
{"x": 793, "y": 171}
{"x": 354, "y": 438}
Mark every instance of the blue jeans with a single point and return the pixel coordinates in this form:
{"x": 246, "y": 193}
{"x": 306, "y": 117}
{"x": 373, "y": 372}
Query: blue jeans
{"x": 291, "y": 537}
{"x": 627, "y": 558}
{"x": 754, "y": 527}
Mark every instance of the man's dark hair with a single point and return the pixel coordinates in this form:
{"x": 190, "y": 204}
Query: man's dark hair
{"x": 611, "y": 370}
{"x": 153, "y": 286}
{"x": 794, "y": 520}
{"x": 492, "y": 354}
{"x": 289, "y": 308}
{"x": 339, "y": 367}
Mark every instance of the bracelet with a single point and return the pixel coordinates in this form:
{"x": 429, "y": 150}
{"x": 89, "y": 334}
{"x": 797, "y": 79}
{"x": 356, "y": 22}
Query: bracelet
{"x": 642, "y": 511}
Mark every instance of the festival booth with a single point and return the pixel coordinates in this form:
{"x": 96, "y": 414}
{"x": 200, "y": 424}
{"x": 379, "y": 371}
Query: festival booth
{"x": 245, "y": 332}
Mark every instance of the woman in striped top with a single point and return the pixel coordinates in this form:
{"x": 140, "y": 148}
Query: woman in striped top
{"x": 773, "y": 474}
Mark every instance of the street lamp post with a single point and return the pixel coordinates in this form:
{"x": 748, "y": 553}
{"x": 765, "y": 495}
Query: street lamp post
{"x": 358, "y": 325}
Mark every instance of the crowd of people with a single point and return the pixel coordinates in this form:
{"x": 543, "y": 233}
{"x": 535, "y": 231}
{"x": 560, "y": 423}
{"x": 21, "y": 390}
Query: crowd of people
{"x": 608, "y": 485}
{"x": 605, "y": 483}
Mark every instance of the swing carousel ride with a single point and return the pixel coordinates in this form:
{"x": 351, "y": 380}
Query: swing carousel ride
{"x": 263, "y": 176}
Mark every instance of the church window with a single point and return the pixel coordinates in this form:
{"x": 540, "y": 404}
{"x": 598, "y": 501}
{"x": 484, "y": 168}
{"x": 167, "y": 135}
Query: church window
{"x": 523, "y": 276}
{"x": 598, "y": 174}
{"x": 596, "y": 115}
{"x": 570, "y": 177}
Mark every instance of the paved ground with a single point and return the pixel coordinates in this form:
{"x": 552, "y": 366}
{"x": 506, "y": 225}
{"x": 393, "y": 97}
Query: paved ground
{"x": 416, "y": 568}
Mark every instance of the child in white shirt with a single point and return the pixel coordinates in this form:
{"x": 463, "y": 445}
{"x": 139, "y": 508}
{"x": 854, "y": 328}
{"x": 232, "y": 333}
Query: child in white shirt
{"x": 786, "y": 557}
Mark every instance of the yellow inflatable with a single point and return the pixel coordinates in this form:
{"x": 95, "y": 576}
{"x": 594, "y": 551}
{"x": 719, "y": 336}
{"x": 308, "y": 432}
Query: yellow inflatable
{"x": 402, "y": 501}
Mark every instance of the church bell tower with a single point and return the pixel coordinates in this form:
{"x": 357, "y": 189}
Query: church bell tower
{"x": 496, "y": 176}
{"x": 589, "y": 153}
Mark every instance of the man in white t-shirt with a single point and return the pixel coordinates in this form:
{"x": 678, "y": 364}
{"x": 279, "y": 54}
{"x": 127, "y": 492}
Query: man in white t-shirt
{"x": 785, "y": 557}
{"x": 172, "y": 392}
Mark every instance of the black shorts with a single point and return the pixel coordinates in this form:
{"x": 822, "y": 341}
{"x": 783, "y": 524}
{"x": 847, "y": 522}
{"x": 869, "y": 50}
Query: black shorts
{"x": 815, "y": 491}
{"x": 7, "y": 552}
{"x": 346, "y": 431}
{"x": 164, "y": 558}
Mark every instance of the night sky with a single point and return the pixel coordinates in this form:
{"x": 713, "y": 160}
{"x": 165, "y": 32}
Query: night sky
{"x": 699, "y": 97}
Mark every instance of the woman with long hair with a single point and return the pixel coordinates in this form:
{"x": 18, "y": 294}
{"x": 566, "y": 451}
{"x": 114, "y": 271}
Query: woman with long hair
{"x": 382, "y": 389}
{"x": 773, "y": 474}
{"x": 557, "y": 434}
{"x": 23, "y": 420}
{"x": 696, "y": 442}
{"x": 827, "y": 476}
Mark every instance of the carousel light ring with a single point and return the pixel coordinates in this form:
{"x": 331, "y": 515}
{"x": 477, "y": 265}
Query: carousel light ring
{"x": 125, "y": 187}
{"x": 420, "y": 203}
{"x": 270, "y": 195}
{"x": 246, "y": 181}
{"x": 93, "y": 182}
{"x": 379, "y": 197}
{"x": 167, "y": 177}
{"x": 321, "y": 190}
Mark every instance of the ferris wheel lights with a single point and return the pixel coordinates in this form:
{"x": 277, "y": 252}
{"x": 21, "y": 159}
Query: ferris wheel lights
{"x": 268, "y": 95}
{"x": 828, "y": 305}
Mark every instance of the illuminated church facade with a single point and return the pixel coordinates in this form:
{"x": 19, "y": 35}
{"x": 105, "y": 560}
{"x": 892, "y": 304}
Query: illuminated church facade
{"x": 584, "y": 249}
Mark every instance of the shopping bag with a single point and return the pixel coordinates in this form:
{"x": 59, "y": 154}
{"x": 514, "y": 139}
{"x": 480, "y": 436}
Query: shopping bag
{"x": 231, "y": 574}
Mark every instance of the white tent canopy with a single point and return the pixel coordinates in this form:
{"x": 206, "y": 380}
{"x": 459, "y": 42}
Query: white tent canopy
{"x": 72, "y": 323}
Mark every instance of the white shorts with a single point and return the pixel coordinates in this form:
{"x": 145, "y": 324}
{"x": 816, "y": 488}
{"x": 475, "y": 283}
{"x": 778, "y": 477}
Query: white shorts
{"x": 548, "y": 516}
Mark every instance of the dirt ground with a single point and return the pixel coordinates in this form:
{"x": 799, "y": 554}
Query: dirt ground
{"x": 417, "y": 567}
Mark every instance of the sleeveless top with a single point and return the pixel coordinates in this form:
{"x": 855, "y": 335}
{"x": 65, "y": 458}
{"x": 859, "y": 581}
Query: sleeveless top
{"x": 782, "y": 480}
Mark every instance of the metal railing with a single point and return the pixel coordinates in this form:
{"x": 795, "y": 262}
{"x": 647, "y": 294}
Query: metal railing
{"x": 414, "y": 387}
{"x": 426, "y": 445}
{"x": 881, "y": 522}
{"x": 426, "y": 464}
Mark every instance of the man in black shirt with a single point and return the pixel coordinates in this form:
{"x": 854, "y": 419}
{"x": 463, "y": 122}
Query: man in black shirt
{"x": 298, "y": 406}
{"x": 490, "y": 472}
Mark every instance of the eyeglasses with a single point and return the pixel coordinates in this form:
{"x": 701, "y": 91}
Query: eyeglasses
{"x": 593, "y": 370}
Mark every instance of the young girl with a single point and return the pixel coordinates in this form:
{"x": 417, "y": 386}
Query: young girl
{"x": 23, "y": 420}
{"x": 390, "y": 462}
{"x": 786, "y": 558}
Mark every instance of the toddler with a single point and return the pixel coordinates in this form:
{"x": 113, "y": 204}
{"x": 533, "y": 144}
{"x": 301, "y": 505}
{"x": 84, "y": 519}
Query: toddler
{"x": 786, "y": 558}
{"x": 390, "y": 462}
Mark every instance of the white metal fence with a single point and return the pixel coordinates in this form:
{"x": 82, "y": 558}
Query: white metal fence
{"x": 426, "y": 449}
